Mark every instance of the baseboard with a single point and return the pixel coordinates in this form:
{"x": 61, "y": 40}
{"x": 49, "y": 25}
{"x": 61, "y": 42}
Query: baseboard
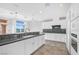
{"x": 55, "y": 41}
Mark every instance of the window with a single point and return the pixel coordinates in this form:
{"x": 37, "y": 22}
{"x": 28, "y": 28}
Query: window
{"x": 19, "y": 26}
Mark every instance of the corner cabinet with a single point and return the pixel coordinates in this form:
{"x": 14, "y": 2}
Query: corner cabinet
{"x": 24, "y": 47}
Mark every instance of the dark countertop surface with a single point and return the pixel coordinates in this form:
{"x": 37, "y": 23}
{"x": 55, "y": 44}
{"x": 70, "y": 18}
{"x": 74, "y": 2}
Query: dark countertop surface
{"x": 17, "y": 33}
{"x": 9, "y": 41}
{"x": 10, "y": 33}
{"x": 58, "y": 31}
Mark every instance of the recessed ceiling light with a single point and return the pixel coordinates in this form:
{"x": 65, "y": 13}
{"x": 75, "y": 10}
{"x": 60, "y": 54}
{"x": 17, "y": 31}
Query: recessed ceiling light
{"x": 40, "y": 12}
{"x": 61, "y": 5}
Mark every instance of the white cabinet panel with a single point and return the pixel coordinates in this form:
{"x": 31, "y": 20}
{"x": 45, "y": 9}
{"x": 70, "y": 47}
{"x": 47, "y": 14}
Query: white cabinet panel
{"x": 33, "y": 44}
{"x": 2, "y": 51}
{"x": 42, "y": 40}
{"x": 74, "y": 11}
{"x": 55, "y": 37}
{"x": 13, "y": 48}
{"x": 28, "y": 46}
{"x": 36, "y": 42}
{"x": 39, "y": 41}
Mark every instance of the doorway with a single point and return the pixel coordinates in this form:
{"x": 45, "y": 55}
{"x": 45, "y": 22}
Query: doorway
{"x": 3, "y": 24}
{"x": 3, "y": 28}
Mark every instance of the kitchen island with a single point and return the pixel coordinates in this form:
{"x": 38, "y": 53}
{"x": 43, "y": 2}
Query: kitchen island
{"x": 20, "y": 43}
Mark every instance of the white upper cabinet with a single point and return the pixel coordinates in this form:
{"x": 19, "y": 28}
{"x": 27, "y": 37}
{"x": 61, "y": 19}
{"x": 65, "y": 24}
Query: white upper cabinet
{"x": 74, "y": 11}
{"x": 75, "y": 18}
{"x": 75, "y": 26}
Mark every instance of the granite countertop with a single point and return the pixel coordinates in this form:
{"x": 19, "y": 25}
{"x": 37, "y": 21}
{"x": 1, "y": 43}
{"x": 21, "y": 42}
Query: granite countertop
{"x": 9, "y": 41}
{"x": 17, "y": 33}
{"x": 10, "y": 33}
{"x": 58, "y": 31}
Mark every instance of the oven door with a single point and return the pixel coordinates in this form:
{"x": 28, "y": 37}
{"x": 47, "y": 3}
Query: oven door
{"x": 74, "y": 44}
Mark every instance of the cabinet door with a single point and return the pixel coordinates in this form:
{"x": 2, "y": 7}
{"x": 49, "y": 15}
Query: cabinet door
{"x": 60, "y": 37}
{"x": 48, "y": 36}
{"x": 13, "y": 48}
{"x": 2, "y": 51}
{"x": 29, "y": 46}
{"x": 33, "y": 44}
{"x": 39, "y": 41}
{"x": 74, "y": 11}
{"x": 42, "y": 39}
{"x": 36, "y": 42}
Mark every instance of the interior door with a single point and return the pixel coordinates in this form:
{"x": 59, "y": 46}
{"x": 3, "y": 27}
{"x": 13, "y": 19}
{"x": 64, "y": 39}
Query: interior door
{"x": 3, "y": 28}
{"x": 3, "y": 24}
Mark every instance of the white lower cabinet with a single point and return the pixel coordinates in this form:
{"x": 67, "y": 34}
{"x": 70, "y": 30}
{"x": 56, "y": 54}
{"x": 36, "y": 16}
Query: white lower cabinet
{"x": 26, "y": 47}
{"x": 42, "y": 40}
{"x": 13, "y": 48}
{"x": 33, "y": 44}
{"x": 2, "y": 51}
{"x": 55, "y": 37}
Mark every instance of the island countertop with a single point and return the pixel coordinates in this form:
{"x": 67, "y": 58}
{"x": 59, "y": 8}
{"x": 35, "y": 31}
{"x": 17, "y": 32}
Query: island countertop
{"x": 17, "y": 33}
{"x": 9, "y": 41}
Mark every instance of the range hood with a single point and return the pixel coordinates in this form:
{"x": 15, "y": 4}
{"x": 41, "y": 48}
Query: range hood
{"x": 56, "y": 26}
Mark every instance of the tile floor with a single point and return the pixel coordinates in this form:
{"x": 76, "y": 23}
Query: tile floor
{"x": 52, "y": 48}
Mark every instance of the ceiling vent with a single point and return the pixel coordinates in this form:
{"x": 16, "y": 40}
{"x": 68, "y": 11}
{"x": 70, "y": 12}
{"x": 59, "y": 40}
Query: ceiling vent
{"x": 47, "y": 4}
{"x": 62, "y": 18}
{"x": 16, "y": 5}
{"x": 48, "y": 20}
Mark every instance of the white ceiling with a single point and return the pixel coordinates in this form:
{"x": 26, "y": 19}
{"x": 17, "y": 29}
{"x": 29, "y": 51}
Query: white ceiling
{"x": 38, "y": 11}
